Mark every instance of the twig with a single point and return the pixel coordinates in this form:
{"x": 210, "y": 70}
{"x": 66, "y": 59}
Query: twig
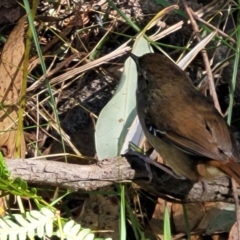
{"x": 220, "y": 32}
{"x": 235, "y": 196}
{"x": 205, "y": 58}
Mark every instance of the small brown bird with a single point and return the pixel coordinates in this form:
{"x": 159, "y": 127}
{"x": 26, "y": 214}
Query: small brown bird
{"x": 181, "y": 123}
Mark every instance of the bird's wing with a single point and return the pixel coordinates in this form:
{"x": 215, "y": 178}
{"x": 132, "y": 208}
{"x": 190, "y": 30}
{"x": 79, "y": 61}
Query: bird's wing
{"x": 206, "y": 135}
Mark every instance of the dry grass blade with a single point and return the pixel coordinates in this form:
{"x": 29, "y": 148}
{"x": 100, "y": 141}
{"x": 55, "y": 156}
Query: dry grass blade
{"x": 11, "y": 81}
{"x": 167, "y": 31}
{"x": 117, "y": 53}
{"x": 205, "y": 58}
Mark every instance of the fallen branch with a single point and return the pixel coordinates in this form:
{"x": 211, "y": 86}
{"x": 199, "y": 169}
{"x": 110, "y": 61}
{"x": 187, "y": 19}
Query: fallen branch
{"x": 107, "y": 172}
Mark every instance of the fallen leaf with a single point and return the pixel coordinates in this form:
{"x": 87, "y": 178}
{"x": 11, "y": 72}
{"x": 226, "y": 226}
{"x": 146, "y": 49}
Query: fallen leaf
{"x": 10, "y": 85}
{"x": 234, "y": 233}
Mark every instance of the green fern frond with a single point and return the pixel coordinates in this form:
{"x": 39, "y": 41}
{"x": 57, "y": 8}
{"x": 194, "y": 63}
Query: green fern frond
{"x": 41, "y": 223}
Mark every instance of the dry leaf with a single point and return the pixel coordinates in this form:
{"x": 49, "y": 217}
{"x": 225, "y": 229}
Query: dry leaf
{"x": 194, "y": 217}
{"x": 101, "y": 212}
{"x": 221, "y": 236}
{"x": 10, "y": 86}
{"x": 219, "y": 218}
{"x": 234, "y": 233}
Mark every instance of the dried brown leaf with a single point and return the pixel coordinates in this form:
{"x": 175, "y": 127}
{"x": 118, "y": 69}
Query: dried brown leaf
{"x": 10, "y": 86}
{"x": 233, "y": 234}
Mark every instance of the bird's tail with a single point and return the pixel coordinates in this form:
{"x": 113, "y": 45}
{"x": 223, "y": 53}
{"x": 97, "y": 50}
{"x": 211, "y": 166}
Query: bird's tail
{"x": 231, "y": 168}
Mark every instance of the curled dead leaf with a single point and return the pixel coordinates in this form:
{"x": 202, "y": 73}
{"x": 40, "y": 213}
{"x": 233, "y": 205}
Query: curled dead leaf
{"x": 10, "y": 86}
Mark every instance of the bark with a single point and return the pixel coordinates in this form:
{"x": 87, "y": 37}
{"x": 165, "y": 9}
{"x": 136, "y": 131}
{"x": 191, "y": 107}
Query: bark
{"x": 110, "y": 171}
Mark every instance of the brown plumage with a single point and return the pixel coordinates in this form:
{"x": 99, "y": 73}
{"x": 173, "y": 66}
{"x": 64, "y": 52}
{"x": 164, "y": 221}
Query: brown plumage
{"x": 181, "y": 123}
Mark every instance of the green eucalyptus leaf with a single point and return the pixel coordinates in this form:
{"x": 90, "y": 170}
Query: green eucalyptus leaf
{"x": 118, "y": 115}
